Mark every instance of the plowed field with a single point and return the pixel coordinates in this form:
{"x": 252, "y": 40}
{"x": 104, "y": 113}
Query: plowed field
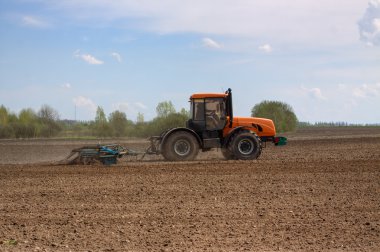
{"x": 318, "y": 193}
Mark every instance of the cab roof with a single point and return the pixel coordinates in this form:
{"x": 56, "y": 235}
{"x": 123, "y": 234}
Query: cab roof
{"x": 208, "y": 95}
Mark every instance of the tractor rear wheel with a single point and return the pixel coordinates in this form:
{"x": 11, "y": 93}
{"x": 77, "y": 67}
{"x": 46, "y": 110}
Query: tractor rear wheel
{"x": 180, "y": 146}
{"x": 245, "y": 146}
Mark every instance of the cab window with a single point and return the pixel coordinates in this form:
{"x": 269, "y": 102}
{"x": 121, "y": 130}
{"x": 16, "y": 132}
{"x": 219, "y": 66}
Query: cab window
{"x": 215, "y": 113}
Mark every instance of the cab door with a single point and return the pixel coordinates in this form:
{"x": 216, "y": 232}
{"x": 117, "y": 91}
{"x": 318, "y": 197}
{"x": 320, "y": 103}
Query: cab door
{"x": 197, "y": 112}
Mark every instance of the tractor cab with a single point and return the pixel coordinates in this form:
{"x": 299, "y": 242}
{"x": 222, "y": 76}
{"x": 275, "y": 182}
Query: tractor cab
{"x": 209, "y": 112}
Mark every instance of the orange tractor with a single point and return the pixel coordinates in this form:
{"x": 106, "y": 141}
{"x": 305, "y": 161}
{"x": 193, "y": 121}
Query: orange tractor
{"x": 213, "y": 125}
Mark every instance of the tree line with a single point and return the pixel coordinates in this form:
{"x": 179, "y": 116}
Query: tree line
{"x": 46, "y": 123}
{"x": 29, "y": 124}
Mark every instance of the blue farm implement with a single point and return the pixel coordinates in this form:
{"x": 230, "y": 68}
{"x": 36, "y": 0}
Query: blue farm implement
{"x": 105, "y": 154}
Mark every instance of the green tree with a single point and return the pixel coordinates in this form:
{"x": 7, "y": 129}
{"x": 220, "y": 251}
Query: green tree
{"x": 140, "y": 117}
{"x": 100, "y": 116}
{"x": 118, "y": 123}
{"x": 6, "y": 130}
{"x": 185, "y": 112}
{"x": 281, "y": 113}
{"x": 101, "y": 126}
{"x": 27, "y": 116}
{"x": 27, "y": 124}
{"x": 165, "y": 108}
{"x": 3, "y": 116}
{"x": 160, "y": 124}
{"x": 48, "y": 118}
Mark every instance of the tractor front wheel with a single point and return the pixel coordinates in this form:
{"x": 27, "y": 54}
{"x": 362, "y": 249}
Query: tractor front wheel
{"x": 245, "y": 146}
{"x": 180, "y": 146}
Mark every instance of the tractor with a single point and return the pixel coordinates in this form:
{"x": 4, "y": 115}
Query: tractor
{"x": 212, "y": 124}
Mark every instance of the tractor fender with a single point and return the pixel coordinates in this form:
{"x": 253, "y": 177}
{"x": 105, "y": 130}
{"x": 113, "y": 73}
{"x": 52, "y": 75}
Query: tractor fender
{"x": 166, "y": 134}
{"x": 233, "y": 132}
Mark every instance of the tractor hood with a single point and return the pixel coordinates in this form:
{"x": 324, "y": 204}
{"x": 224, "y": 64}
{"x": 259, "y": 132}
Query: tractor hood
{"x": 262, "y": 126}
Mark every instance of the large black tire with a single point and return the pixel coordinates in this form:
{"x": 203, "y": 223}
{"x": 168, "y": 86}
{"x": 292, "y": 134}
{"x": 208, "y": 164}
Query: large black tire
{"x": 180, "y": 146}
{"x": 245, "y": 146}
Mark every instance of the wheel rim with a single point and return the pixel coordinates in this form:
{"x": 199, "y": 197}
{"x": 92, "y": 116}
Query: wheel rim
{"x": 182, "y": 147}
{"x": 246, "y": 146}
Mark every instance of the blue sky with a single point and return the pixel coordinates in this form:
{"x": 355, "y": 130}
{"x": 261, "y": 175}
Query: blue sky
{"x": 321, "y": 57}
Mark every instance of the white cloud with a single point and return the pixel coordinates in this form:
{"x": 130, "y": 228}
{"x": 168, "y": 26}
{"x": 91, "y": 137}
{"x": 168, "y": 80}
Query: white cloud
{"x": 300, "y": 21}
{"x": 367, "y": 91}
{"x": 369, "y": 24}
{"x": 91, "y": 59}
{"x": 116, "y": 56}
{"x": 314, "y": 93}
{"x": 376, "y": 24}
{"x": 35, "y": 22}
{"x": 88, "y": 58}
{"x": 66, "y": 85}
{"x": 375, "y": 2}
{"x": 207, "y": 42}
{"x": 81, "y": 101}
{"x": 267, "y": 48}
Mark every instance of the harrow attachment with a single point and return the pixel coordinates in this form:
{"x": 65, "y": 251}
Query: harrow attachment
{"x": 105, "y": 154}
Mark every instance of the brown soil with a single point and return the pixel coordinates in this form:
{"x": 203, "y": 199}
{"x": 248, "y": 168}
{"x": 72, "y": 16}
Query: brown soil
{"x": 318, "y": 193}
